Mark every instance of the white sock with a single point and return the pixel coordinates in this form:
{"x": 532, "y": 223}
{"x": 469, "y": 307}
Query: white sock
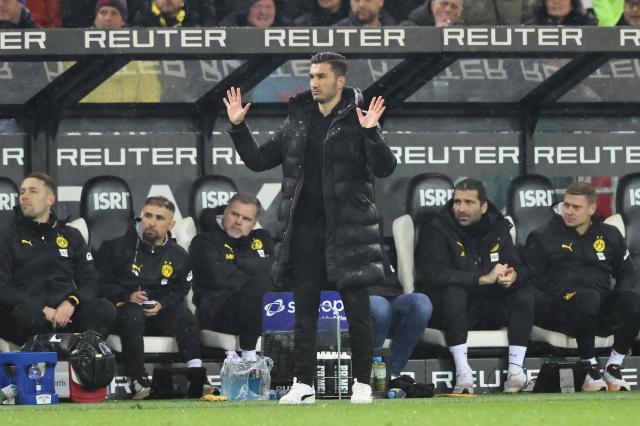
{"x": 194, "y": 363}
{"x": 591, "y": 360}
{"x": 249, "y": 355}
{"x": 459, "y": 353}
{"x": 516, "y": 358}
{"x": 615, "y": 358}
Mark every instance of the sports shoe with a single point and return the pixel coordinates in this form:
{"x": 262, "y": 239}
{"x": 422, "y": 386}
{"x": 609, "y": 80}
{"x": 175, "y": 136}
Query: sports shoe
{"x": 593, "y": 380}
{"x": 140, "y": 387}
{"x": 299, "y": 394}
{"x": 515, "y": 382}
{"x": 464, "y": 381}
{"x": 361, "y": 393}
{"x": 613, "y": 378}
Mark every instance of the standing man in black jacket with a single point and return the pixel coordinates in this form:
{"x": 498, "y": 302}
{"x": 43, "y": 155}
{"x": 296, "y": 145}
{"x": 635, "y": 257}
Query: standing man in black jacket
{"x": 330, "y": 152}
{"x": 147, "y": 275}
{"x": 48, "y": 280}
{"x": 572, "y": 261}
{"x": 470, "y": 269}
{"x": 231, "y": 262}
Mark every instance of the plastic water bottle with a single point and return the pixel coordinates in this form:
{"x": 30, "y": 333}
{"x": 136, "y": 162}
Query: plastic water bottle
{"x": 8, "y": 392}
{"x": 36, "y": 376}
{"x": 380, "y": 374}
{"x": 396, "y": 393}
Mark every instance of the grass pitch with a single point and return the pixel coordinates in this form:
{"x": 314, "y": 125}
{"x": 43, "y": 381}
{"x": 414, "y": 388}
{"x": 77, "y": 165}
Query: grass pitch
{"x": 605, "y": 408}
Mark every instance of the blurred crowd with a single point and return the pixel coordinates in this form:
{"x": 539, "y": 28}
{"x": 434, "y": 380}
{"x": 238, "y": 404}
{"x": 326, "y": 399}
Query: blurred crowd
{"x": 113, "y": 14}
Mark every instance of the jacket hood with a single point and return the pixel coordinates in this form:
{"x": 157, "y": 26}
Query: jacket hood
{"x": 351, "y": 97}
{"x": 492, "y": 215}
{"x": 557, "y": 223}
{"x": 50, "y": 224}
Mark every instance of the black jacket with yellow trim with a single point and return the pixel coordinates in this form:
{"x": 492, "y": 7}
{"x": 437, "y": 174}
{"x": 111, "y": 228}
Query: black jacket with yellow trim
{"x": 446, "y": 255}
{"x": 561, "y": 261}
{"x": 163, "y": 271}
{"x": 223, "y": 264}
{"x": 44, "y": 263}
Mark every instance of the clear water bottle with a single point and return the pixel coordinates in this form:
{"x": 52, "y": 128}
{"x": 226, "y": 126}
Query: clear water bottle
{"x": 380, "y": 374}
{"x": 36, "y": 376}
{"x": 396, "y": 393}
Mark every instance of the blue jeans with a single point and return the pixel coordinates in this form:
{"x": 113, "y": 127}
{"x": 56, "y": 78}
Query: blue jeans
{"x": 403, "y": 319}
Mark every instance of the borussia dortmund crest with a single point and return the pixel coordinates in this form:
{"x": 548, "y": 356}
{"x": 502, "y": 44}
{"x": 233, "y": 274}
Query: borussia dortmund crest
{"x": 62, "y": 242}
{"x": 599, "y": 245}
{"x": 256, "y": 244}
{"x": 167, "y": 269}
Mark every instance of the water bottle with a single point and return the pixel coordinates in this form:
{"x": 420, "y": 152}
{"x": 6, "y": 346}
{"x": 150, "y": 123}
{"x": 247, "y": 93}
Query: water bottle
{"x": 396, "y": 393}
{"x": 380, "y": 374}
{"x": 36, "y": 376}
{"x": 8, "y": 392}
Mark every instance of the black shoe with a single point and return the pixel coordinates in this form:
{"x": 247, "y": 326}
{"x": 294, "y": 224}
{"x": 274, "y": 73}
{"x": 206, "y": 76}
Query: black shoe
{"x": 593, "y": 379}
{"x": 197, "y": 379}
{"x": 140, "y": 387}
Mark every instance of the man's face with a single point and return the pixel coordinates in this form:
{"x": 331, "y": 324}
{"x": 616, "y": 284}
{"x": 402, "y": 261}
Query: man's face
{"x": 169, "y": 7}
{"x": 324, "y": 83}
{"x": 446, "y": 12}
{"x": 632, "y": 12}
{"x": 467, "y": 208}
{"x": 108, "y": 18}
{"x": 239, "y": 219}
{"x": 262, "y": 14}
{"x": 35, "y": 199}
{"x": 558, "y": 8}
{"x": 576, "y": 210}
{"x": 330, "y": 5}
{"x": 366, "y": 11}
{"x": 155, "y": 223}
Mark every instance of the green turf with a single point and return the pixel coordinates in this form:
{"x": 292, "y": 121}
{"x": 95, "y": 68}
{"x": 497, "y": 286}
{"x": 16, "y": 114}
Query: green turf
{"x": 522, "y": 410}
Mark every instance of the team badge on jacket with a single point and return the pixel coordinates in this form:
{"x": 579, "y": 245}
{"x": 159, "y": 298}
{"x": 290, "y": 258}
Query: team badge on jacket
{"x": 62, "y": 242}
{"x": 167, "y": 269}
{"x": 256, "y": 244}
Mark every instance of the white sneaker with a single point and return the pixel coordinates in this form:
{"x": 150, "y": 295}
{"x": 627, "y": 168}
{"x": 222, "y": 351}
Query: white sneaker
{"x": 515, "y": 382}
{"x": 361, "y": 393}
{"x": 299, "y": 394}
{"x": 613, "y": 378}
{"x": 593, "y": 380}
{"x": 464, "y": 381}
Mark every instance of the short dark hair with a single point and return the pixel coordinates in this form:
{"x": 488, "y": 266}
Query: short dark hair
{"x": 46, "y": 179}
{"x": 160, "y": 201}
{"x": 246, "y": 198}
{"x": 582, "y": 188}
{"x": 336, "y": 60}
{"x": 470, "y": 184}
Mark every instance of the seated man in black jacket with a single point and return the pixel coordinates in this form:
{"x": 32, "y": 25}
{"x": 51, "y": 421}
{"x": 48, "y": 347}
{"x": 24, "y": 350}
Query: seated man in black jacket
{"x": 231, "y": 263}
{"x": 571, "y": 262}
{"x": 470, "y": 269}
{"x": 48, "y": 280}
{"x": 147, "y": 275}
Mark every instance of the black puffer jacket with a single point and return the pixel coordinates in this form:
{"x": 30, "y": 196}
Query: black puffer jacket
{"x": 164, "y": 271}
{"x": 44, "y": 262}
{"x": 223, "y": 264}
{"x": 446, "y": 255}
{"x": 352, "y": 157}
{"x": 560, "y": 260}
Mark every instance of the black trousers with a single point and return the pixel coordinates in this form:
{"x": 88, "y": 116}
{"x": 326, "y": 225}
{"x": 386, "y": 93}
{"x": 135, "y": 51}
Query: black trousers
{"x": 175, "y": 321}
{"x": 309, "y": 272}
{"x": 238, "y": 312}
{"x": 457, "y": 310}
{"x": 586, "y": 313}
{"x": 27, "y": 320}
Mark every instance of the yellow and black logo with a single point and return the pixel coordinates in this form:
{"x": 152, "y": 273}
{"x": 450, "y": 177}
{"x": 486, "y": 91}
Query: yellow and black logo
{"x": 462, "y": 253}
{"x": 256, "y": 244}
{"x": 27, "y": 242}
{"x": 135, "y": 269}
{"x": 599, "y": 244}
{"x": 230, "y": 256}
{"x": 569, "y": 295}
{"x": 568, "y": 246}
{"x": 62, "y": 242}
{"x": 167, "y": 269}
{"x": 495, "y": 248}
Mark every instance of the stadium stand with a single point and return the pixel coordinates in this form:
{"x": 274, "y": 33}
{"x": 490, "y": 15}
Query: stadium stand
{"x": 8, "y": 199}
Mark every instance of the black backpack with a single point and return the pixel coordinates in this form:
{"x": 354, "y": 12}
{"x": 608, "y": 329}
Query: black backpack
{"x": 92, "y": 361}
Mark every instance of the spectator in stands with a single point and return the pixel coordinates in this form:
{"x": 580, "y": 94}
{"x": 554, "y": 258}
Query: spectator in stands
{"x": 438, "y": 13}
{"x": 367, "y": 13}
{"x": 631, "y": 14}
{"x": 165, "y": 13}
{"x": 45, "y": 13}
{"x": 572, "y": 261}
{"x": 77, "y": 13}
{"x": 256, "y": 13}
{"x": 561, "y": 12}
{"x": 231, "y": 271}
{"x": 110, "y": 14}
{"x": 498, "y": 12}
{"x": 147, "y": 275}
{"x": 397, "y": 316}
{"x": 470, "y": 269}
{"x": 15, "y": 15}
{"x": 203, "y": 12}
{"x": 324, "y": 13}
{"x": 48, "y": 281}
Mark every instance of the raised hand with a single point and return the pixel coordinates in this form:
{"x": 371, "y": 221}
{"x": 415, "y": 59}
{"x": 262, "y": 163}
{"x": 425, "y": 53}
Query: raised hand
{"x": 370, "y": 119}
{"x": 233, "y": 102}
